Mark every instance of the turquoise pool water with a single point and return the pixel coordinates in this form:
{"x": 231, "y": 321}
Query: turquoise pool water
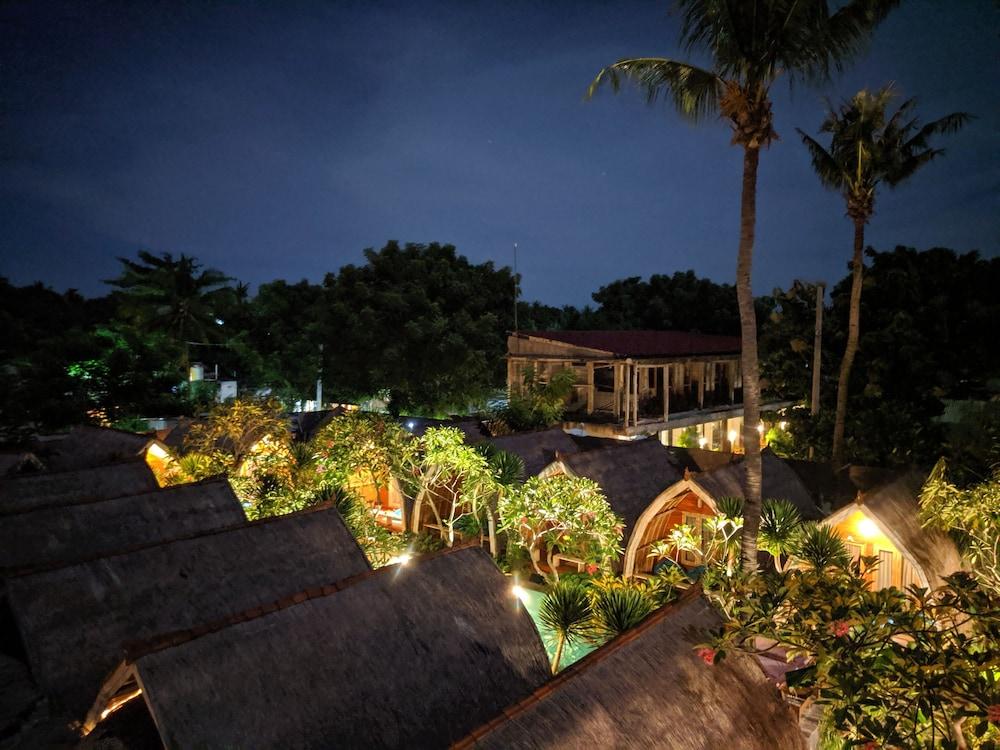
{"x": 532, "y": 601}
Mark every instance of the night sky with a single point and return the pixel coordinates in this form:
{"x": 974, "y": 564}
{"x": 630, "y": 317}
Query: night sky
{"x": 279, "y": 139}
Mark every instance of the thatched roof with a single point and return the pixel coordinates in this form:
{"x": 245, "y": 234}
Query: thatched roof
{"x": 895, "y": 506}
{"x": 832, "y": 489}
{"x": 537, "y": 449}
{"x": 32, "y": 491}
{"x": 779, "y": 482}
{"x": 71, "y": 533}
{"x": 86, "y": 445}
{"x": 412, "y": 656}
{"x": 14, "y": 463}
{"x": 648, "y": 688}
{"x": 305, "y": 424}
{"x": 74, "y": 620}
{"x": 632, "y": 474}
{"x": 699, "y": 460}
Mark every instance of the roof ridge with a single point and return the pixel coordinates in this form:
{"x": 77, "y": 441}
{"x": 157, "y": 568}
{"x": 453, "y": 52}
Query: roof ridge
{"x": 134, "y": 460}
{"x": 598, "y": 655}
{"x": 137, "y": 650}
{"x": 46, "y": 567}
{"x": 92, "y": 500}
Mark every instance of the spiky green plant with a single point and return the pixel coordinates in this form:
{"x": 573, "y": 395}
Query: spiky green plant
{"x": 820, "y": 548}
{"x": 566, "y": 613}
{"x": 780, "y": 524}
{"x": 617, "y": 609}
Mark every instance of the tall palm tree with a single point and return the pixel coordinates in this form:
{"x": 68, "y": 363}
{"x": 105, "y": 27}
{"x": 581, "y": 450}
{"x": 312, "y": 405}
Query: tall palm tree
{"x": 868, "y": 147}
{"x": 752, "y": 43}
{"x": 173, "y": 295}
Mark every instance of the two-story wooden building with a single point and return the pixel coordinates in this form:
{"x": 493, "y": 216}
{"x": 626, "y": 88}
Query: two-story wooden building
{"x": 633, "y": 383}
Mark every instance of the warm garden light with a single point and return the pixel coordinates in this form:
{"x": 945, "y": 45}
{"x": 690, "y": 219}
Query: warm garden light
{"x": 702, "y": 442}
{"x": 520, "y": 592}
{"x": 400, "y": 559}
{"x": 867, "y": 528}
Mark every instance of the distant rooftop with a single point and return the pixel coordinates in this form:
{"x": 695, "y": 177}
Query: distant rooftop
{"x": 644, "y": 343}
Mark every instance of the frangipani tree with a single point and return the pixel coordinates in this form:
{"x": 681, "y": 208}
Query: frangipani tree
{"x": 751, "y": 44}
{"x": 562, "y": 514}
{"x": 362, "y": 447}
{"x": 455, "y": 481}
{"x": 869, "y": 147}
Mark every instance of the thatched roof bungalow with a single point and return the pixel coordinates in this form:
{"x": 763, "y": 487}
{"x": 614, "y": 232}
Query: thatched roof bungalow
{"x": 632, "y": 475}
{"x": 883, "y": 521}
{"x": 649, "y": 688}
{"x": 48, "y": 489}
{"x": 693, "y": 499}
{"x": 79, "y": 531}
{"x": 405, "y": 656}
{"x": 85, "y": 446}
{"x": 75, "y": 620}
{"x": 537, "y": 449}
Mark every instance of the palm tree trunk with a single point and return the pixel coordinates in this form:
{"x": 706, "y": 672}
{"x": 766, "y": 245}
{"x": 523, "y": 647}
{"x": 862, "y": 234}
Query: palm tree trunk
{"x": 559, "y": 649}
{"x": 751, "y": 379}
{"x": 853, "y": 333}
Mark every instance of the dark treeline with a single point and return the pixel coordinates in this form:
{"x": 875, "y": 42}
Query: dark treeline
{"x": 423, "y": 328}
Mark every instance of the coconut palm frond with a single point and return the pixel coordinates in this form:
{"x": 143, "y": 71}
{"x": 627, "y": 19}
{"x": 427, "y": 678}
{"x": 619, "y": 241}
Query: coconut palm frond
{"x": 695, "y": 92}
{"x": 829, "y": 171}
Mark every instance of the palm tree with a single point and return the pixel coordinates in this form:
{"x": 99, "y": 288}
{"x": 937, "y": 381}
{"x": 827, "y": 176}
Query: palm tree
{"x": 752, "y": 43}
{"x": 868, "y": 148}
{"x": 173, "y": 295}
{"x": 566, "y": 613}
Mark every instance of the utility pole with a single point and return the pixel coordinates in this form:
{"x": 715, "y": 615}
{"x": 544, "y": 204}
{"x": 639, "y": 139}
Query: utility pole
{"x": 516, "y": 289}
{"x": 319, "y": 382}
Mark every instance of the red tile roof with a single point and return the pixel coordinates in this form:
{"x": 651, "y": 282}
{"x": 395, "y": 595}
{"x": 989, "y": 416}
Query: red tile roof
{"x": 645, "y": 343}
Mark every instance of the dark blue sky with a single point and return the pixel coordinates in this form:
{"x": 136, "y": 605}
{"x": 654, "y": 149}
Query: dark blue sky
{"x": 279, "y": 139}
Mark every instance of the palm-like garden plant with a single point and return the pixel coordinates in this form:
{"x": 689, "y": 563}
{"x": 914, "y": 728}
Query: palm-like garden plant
{"x": 617, "y": 609}
{"x": 780, "y": 524}
{"x": 869, "y": 147}
{"x": 752, "y": 43}
{"x": 820, "y": 547}
{"x": 566, "y": 613}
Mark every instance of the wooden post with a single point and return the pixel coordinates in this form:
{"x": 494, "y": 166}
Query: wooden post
{"x": 701, "y": 387}
{"x": 666, "y": 392}
{"x": 618, "y": 389}
{"x": 635, "y": 398}
{"x": 590, "y": 388}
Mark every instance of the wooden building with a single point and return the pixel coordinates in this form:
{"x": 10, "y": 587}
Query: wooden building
{"x": 693, "y": 499}
{"x": 631, "y": 383}
{"x": 882, "y": 521}
{"x": 75, "y": 620}
{"x": 632, "y": 474}
{"x": 649, "y": 688}
{"x": 405, "y": 656}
